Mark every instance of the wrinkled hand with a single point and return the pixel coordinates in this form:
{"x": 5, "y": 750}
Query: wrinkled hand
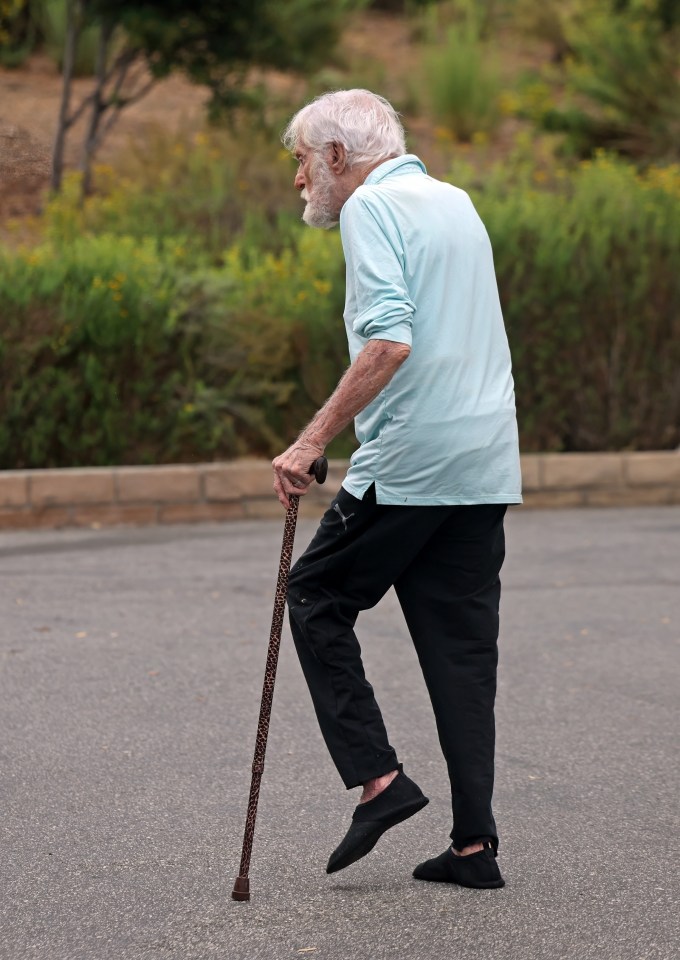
{"x": 291, "y": 470}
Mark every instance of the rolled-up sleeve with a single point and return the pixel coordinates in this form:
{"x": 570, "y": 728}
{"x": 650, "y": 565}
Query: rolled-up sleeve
{"x": 375, "y": 273}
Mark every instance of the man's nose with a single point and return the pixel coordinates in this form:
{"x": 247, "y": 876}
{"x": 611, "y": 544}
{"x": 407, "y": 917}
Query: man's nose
{"x": 299, "y": 181}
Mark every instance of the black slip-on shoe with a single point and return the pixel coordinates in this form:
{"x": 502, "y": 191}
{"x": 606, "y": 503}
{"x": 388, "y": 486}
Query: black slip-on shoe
{"x": 397, "y": 802}
{"x": 478, "y": 870}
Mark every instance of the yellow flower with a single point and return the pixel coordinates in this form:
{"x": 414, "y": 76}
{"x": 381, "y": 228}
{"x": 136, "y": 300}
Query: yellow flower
{"x": 509, "y": 103}
{"x": 322, "y": 286}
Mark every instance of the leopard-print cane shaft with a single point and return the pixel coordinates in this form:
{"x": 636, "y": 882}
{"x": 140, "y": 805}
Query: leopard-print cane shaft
{"x": 269, "y": 678}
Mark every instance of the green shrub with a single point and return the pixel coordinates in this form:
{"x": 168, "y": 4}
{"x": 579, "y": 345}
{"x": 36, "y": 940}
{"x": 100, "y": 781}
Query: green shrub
{"x": 588, "y": 272}
{"x": 548, "y": 20}
{"x": 270, "y": 327}
{"x": 85, "y": 353}
{"x": 18, "y": 32}
{"x": 207, "y": 189}
{"x": 622, "y": 84}
{"x": 51, "y": 15}
{"x": 134, "y": 349}
{"x": 461, "y": 78}
{"x": 113, "y": 351}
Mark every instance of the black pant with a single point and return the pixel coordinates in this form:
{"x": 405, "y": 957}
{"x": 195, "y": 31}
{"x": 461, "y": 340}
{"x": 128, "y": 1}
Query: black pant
{"x": 444, "y": 563}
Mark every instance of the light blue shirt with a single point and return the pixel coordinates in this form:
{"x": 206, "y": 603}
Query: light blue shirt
{"x": 420, "y": 271}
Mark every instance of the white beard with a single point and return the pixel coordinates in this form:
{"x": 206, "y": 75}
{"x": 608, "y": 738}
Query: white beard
{"x": 319, "y": 210}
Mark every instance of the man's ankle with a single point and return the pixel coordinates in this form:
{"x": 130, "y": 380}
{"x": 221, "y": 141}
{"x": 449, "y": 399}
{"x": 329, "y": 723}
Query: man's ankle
{"x": 375, "y": 786}
{"x": 466, "y": 851}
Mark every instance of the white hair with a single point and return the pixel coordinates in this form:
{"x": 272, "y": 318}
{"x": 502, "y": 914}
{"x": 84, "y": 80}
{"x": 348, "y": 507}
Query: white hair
{"x": 365, "y": 124}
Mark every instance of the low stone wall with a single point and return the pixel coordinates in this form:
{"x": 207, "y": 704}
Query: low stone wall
{"x": 601, "y": 479}
{"x": 187, "y": 493}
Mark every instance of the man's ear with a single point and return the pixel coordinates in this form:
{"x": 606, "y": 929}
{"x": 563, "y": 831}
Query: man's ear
{"x": 338, "y": 158}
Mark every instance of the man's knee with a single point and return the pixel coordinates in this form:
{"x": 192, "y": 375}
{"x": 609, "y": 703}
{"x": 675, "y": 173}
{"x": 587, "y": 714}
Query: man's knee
{"x": 299, "y": 602}
{"x": 297, "y": 584}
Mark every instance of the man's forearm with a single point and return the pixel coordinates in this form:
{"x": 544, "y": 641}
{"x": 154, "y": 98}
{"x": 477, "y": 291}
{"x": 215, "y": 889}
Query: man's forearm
{"x": 369, "y": 374}
{"x": 362, "y": 382}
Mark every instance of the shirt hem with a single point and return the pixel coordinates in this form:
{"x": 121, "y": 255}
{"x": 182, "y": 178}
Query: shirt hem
{"x": 395, "y": 500}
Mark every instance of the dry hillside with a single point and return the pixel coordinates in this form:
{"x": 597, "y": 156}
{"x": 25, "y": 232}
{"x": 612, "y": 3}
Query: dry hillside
{"x": 29, "y": 103}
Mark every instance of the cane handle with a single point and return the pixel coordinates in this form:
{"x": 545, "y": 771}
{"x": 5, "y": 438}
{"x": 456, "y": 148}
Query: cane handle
{"x": 320, "y": 469}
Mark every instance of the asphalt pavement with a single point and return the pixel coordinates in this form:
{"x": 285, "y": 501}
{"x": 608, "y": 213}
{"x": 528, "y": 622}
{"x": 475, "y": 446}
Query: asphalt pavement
{"x": 131, "y": 664}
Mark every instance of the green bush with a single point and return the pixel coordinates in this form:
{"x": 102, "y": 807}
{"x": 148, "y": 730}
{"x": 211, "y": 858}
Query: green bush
{"x": 462, "y": 81}
{"x": 587, "y": 267}
{"x": 271, "y": 328}
{"x": 622, "y": 83}
{"x": 120, "y": 348}
{"x": 18, "y": 32}
{"x": 207, "y": 189}
{"x": 86, "y": 353}
{"x": 52, "y": 18}
{"x": 548, "y": 20}
{"x": 113, "y": 351}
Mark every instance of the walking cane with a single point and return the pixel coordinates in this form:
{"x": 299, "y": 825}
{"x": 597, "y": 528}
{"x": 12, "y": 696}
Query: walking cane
{"x": 241, "y": 889}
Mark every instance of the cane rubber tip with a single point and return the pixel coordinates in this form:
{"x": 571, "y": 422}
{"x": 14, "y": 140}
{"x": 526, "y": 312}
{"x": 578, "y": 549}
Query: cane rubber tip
{"x": 241, "y": 889}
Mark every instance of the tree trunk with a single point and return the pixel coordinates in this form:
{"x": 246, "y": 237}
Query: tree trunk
{"x": 99, "y": 107}
{"x": 74, "y": 18}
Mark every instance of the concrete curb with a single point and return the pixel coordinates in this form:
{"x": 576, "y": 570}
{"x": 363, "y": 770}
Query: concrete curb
{"x": 187, "y": 493}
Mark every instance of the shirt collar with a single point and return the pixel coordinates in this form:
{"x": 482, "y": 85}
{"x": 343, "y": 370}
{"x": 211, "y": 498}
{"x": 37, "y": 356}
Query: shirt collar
{"x": 389, "y": 167}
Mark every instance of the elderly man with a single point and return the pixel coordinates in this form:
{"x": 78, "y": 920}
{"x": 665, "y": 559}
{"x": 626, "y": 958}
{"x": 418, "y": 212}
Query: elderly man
{"x": 431, "y": 394}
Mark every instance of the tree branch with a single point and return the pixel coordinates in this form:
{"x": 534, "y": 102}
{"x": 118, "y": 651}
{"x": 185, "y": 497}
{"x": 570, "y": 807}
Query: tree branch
{"x": 79, "y": 111}
{"x": 117, "y": 106}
